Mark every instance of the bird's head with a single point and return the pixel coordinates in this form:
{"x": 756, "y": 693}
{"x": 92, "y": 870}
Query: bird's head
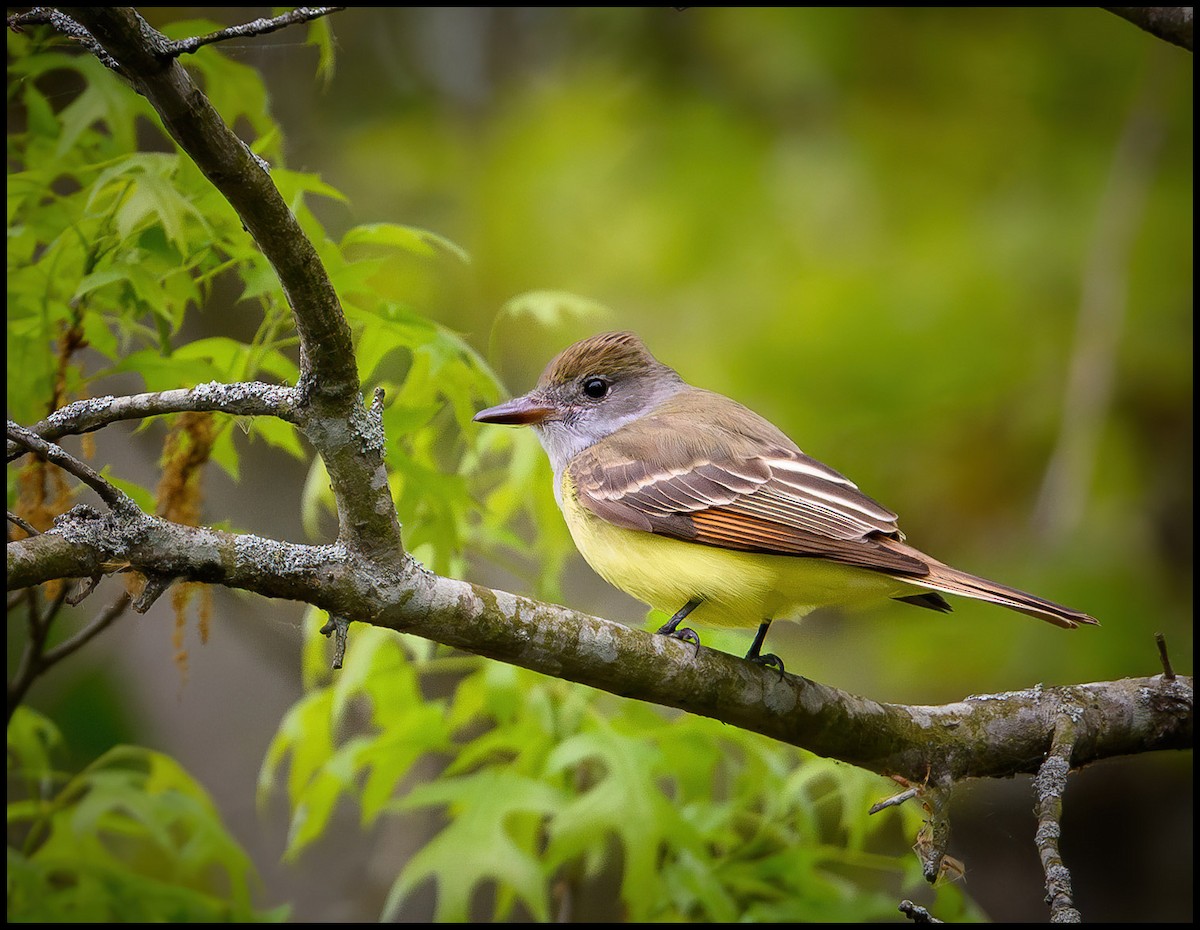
{"x": 588, "y": 392}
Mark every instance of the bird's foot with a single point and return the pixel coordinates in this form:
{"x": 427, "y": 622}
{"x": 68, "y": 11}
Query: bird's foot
{"x": 686, "y": 634}
{"x": 755, "y": 655}
{"x": 769, "y": 660}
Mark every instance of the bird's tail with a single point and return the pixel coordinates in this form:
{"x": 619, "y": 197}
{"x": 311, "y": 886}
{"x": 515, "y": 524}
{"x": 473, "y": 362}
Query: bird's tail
{"x": 949, "y": 580}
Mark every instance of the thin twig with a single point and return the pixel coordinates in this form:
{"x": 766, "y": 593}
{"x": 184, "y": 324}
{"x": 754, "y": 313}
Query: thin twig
{"x": 1168, "y": 672}
{"x": 1049, "y": 785}
{"x": 45, "y": 15}
{"x": 36, "y": 659}
{"x": 22, "y": 523}
{"x": 56, "y": 455}
{"x": 257, "y": 27}
{"x": 55, "y": 605}
{"x": 239, "y": 398}
{"x": 337, "y": 627}
{"x": 896, "y": 799}
{"x": 29, "y": 664}
{"x": 100, "y": 622}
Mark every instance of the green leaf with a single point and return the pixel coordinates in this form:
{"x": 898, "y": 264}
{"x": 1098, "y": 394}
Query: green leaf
{"x": 292, "y": 184}
{"x": 225, "y": 455}
{"x": 104, "y": 101}
{"x": 318, "y": 773}
{"x": 316, "y": 499}
{"x": 363, "y": 239}
{"x": 479, "y": 844}
{"x": 551, "y": 309}
{"x": 32, "y": 737}
{"x": 280, "y": 434}
{"x": 154, "y": 198}
{"x": 320, "y": 35}
{"x": 41, "y": 120}
{"x": 141, "y": 496}
{"x": 227, "y": 356}
{"x": 622, "y": 798}
{"x": 162, "y": 373}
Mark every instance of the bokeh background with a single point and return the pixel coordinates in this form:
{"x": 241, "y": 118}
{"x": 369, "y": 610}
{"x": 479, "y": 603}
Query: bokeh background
{"x": 948, "y": 251}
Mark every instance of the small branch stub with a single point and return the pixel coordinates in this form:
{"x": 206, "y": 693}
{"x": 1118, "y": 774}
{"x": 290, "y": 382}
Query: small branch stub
{"x": 911, "y": 791}
{"x": 154, "y": 588}
{"x": 337, "y": 627}
{"x": 1168, "y": 672}
{"x": 84, "y": 590}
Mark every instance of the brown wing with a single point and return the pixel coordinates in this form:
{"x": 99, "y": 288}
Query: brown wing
{"x": 735, "y": 481}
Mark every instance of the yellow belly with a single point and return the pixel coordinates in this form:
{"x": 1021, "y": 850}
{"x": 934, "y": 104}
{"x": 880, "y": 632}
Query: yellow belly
{"x": 739, "y": 589}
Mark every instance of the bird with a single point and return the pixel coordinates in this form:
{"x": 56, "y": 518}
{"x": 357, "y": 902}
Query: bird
{"x": 698, "y": 506}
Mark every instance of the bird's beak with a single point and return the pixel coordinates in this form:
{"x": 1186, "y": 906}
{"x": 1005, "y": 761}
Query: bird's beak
{"x": 520, "y": 411}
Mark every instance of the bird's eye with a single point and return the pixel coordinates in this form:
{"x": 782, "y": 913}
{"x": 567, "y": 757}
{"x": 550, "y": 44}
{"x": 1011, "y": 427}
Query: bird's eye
{"x": 595, "y": 388}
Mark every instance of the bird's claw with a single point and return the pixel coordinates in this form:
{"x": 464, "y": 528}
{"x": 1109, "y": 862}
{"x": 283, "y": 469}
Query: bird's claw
{"x": 684, "y": 634}
{"x": 769, "y": 660}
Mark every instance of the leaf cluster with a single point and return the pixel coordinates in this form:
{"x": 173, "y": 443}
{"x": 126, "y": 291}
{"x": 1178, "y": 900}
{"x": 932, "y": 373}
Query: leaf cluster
{"x": 546, "y": 792}
{"x": 123, "y": 247}
{"x": 130, "y": 837}
{"x": 119, "y": 245}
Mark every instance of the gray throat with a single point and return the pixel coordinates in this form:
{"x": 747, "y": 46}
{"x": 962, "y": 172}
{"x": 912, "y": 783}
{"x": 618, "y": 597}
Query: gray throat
{"x": 566, "y": 438}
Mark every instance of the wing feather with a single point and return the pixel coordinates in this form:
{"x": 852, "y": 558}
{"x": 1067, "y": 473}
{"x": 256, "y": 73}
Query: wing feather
{"x": 724, "y": 485}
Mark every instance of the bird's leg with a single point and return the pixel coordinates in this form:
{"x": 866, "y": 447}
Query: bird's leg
{"x": 755, "y": 654}
{"x": 688, "y": 635}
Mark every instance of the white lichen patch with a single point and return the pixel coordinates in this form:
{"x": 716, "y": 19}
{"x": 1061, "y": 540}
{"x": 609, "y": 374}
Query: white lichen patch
{"x": 601, "y": 645}
{"x": 1029, "y": 695}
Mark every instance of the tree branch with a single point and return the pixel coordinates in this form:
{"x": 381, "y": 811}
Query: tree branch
{"x": 98, "y": 624}
{"x": 247, "y": 398}
{"x": 109, "y": 493}
{"x": 44, "y": 15}
{"x": 1049, "y": 786}
{"x": 257, "y": 27}
{"x": 36, "y": 658}
{"x": 20, "y": 522}
{"x": 983, "y": 736}
{"x": 917, "y": 914}
{"x": 1170, "y": 23}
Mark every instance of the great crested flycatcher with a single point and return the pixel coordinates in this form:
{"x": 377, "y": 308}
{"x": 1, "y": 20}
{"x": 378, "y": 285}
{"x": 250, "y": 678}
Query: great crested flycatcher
{"x": 692, "y": 503}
